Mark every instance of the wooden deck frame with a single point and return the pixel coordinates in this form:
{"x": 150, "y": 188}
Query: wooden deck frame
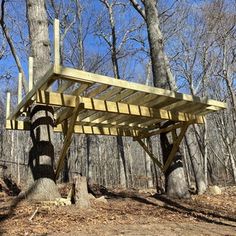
{"x": 101, "y": 105}
{"x": 68, "y": 132}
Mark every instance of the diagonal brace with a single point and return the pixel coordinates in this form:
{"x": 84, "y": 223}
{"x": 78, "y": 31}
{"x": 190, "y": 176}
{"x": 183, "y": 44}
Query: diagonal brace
{"x": 68, "y": 136}
{"x": 152, "y": 156}
{"x": 176, "y": 144}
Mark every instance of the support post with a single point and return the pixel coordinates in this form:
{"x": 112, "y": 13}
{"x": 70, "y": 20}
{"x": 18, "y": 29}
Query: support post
{"x": 19, "y": 88}
{"x": 31, "y": 72}
{"x": 8, "y": 105}
{"x": 57, "y": 59}
{"x": 175, "y": 147}
{"x": 68, "y": 136}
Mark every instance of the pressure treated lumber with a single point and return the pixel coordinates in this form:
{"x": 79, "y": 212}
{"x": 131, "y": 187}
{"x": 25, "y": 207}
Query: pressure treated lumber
{"x": 68, "y": 137}
{"x": 88, "y": 103}
{"x": 43, "y": 83}
{"x": 78, "y": 129}
{"x": 175, "y": 146}
{"x": 80, "y": 76}
{"x": 57, "y": 99}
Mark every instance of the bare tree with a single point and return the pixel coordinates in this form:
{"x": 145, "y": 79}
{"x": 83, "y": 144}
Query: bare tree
{"x": 41, "y": 157}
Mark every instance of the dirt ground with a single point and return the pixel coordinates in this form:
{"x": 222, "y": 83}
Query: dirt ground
{"x": 125, "y": 213}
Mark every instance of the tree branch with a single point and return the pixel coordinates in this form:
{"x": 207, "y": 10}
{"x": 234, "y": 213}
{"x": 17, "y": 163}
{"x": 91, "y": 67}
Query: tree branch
{"x": 139, "y": 9}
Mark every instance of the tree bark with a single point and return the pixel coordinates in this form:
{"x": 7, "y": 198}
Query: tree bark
{"x": 195, "y": 155}
{"x": 113, "y": 47}
{"x": 148, "y": 164}
{"x": 41, "y": 157}
{"x": 81, "y": 191}
{"x": 176, "y": 183}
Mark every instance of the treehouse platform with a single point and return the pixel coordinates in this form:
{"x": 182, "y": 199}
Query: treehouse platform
{"x": 88, "y": 103}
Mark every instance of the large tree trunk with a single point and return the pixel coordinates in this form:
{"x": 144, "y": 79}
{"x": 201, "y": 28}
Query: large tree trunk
{"x": 195, "y": 158}
{"x": 41, "y": 158}
{"x": 175, "y": 179}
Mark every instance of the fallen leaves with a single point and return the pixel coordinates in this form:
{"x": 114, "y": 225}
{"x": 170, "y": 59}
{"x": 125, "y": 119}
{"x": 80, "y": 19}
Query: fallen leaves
{"x": 123, "y": 208}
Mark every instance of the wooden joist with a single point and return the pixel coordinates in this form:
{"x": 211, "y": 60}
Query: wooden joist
{"x": 80, "y": 76}
{"x": 57, "y": 99}
{"x": 176, "y": 144}
{"x": 101, "y": 105}
{"x": 78, "y": 129}
{"x": 43, "y": 83}
{"x": 68, "y": 137}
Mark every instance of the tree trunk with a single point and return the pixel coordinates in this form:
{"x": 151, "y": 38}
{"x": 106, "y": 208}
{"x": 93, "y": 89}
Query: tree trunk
{"x": 175, "y": 179}
{"x": 81, "y": 191}
{"x": 195, "y": 155}
{"x": 41, "y": 157}
{"x": 148, "y": 164}
{"x": 176, "y": 184}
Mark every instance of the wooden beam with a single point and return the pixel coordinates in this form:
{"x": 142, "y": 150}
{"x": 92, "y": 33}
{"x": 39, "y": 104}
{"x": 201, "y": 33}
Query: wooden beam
{"x": 8, "y": 105}
{"x": 151, "y": 155}
{"x": 43, "y": 82}
{"x": 78, "y": 75}
{"x": 57, "y": 59}
{"x": 99, "y": 89}
{"x": 19, "y": 88}
{"x": 17, "y": 125}
{"x": 31, "y": 73}
{"x": 146, "y": 99}
{"x": 64, "y": 86}
{"x": 123, "y": 94}
{"x": 134, "y": 110}
{"x": 109, "y": 93}
{"x": 176, "y": 146}
{"x": 134, "y": 98}
{"x": 78, "y": 129}
{"x": 106, "y": 124}
{"x": 164, "y": 130}
{"x": 58, "y": 99}
{"x": 68, "y": 137}
{"x": 82, "y": 88}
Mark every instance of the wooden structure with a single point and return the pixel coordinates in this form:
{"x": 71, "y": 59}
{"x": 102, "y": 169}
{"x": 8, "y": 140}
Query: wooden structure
{"x": 88, "y": 103}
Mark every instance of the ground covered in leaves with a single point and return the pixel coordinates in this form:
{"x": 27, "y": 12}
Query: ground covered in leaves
{"x": 125, "y": 213}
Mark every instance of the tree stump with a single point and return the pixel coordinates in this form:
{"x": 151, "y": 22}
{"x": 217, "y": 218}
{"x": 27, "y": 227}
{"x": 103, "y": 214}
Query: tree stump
{"x": 81, "y": 196}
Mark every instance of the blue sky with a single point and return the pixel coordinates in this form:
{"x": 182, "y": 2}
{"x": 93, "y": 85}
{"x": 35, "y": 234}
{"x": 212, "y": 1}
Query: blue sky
{"x": 132, "y": 67}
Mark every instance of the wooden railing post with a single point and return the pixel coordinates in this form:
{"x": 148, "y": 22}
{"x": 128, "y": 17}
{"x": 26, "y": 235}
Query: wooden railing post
{"x": 19, "y": 88}
{"x": 31, "y": 73}
{"x": 8, "y": 105}
{"x": 57, "y": 59}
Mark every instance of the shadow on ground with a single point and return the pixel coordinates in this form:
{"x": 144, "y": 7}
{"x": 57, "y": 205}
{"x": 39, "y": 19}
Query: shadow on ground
{"x": 175, "y": 206}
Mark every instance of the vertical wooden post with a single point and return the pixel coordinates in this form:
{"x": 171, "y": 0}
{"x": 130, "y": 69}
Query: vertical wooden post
{"x": 19, "y": 88}
{"x": 57, "y": 59}
{"x": 8, "y": 105}
{"x": 31, "y": 73}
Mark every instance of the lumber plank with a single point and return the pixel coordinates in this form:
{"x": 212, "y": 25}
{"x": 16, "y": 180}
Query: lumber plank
{"x": 31, "y": 73}
{"x": 64, "y": 86}
{"x": 43, "y": 82}
{"x": 109, "y": 93}
{"x": 98, "y": 90}
{"x": 134, "y": 98}
{"x": 19, "y": 88}
{"x": 57, "y": 59}
{"x": 8, "y": 104}
{"x": 68, "y": 137}
{"x": 51, "y": 98}
{"x": 78, "y": 75}
{"x": 176, "y": 146}
{"x": 164, "y": 130}
{"x": 79, "y": 129}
